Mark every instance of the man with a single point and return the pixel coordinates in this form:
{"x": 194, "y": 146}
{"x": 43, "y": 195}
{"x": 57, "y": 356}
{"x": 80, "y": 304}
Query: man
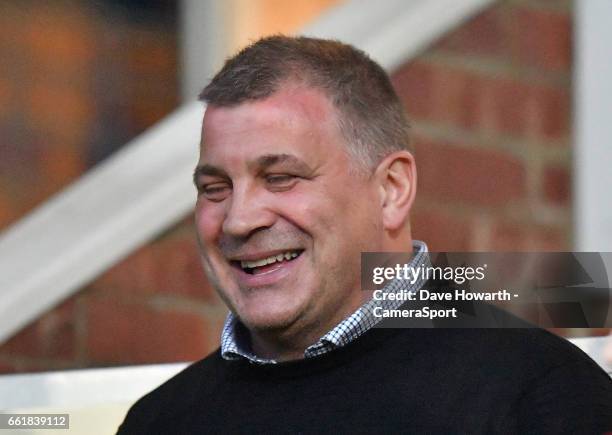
{"x": 305, "y": 164}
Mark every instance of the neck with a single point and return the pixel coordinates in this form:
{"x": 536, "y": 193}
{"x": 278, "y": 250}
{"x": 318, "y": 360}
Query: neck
{"x": 290, "y": 343}
{"x": 272, "y": 348}
{"x": 398, "y": 241}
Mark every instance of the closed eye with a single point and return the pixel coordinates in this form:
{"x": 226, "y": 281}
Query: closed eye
{"x": 280, "y": 182}
{"x": 279, "y": 179}
{"x": 215, "y": 191}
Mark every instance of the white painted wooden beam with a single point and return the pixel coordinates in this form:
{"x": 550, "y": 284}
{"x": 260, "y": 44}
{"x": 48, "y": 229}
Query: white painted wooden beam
{"x": 593, "y": 125}
{"x": 203, "y": 43}
{"x": 98, "y": 220}
{"x": 83, "y": 388}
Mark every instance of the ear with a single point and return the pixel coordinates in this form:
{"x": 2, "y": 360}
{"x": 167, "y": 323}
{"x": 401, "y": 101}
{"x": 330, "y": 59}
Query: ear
{"x": 397, "y": 177}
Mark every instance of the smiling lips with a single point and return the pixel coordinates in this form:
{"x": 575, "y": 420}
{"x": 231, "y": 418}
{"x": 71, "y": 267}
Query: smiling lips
{"x": 255, "y": 267}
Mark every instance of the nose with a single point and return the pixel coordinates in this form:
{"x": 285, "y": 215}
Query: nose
{"x": 247, "y": 212}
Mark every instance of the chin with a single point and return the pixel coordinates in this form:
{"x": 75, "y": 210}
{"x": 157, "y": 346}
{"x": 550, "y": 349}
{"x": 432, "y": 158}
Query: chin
{"x": 269, "y": 319}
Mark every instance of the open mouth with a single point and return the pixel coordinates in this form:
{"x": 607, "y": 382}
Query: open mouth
{"x": 270, "y": 263}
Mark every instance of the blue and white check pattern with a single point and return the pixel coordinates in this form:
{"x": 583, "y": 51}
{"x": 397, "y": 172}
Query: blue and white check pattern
{"x": 234, "y": 344}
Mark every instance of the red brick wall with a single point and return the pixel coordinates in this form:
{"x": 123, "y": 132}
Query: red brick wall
{"x": 490, "y": 107}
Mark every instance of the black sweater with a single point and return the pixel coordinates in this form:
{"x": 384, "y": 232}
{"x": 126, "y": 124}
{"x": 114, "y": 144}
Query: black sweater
{"x": 444, "y": 381}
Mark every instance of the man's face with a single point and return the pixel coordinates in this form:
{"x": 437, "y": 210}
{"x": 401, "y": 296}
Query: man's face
{"x": 282, "y": 213}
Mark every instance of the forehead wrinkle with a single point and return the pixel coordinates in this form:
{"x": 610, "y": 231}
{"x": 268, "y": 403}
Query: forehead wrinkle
{"x": 306, "y": 102}
{"x": 242, "y": 123}
{"x": 274, "y": 123}
{"x": 291, "y": 107}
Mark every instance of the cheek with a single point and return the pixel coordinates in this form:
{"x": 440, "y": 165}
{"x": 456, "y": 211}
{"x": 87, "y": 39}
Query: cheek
{"x": 208, "y": 221}
{"x": 327, "y": 212}
{"x": 309, "y": 211}
{"x": 353, "y": 225}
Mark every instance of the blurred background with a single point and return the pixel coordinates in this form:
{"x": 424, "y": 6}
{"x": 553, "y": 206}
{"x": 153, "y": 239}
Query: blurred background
{"x": 491, "y": 104}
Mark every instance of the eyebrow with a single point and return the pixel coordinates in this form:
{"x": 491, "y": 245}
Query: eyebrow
{"x": 267, "y": 160}
{"x": 210, "y": 170}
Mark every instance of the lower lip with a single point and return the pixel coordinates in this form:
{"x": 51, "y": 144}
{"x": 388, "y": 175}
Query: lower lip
{"x": 268, "y": 277}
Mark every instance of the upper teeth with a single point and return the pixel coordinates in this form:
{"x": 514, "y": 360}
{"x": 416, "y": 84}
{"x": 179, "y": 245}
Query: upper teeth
{"x": 268, "y": 260}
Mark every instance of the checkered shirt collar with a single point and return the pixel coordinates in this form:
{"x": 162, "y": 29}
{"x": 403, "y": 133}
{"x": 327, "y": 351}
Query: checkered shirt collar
{"x": 235, "y": 340}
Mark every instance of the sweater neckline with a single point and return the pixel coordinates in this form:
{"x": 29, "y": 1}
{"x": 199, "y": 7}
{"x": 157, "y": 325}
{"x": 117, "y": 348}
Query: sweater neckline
{"x": 307, "y": 366}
